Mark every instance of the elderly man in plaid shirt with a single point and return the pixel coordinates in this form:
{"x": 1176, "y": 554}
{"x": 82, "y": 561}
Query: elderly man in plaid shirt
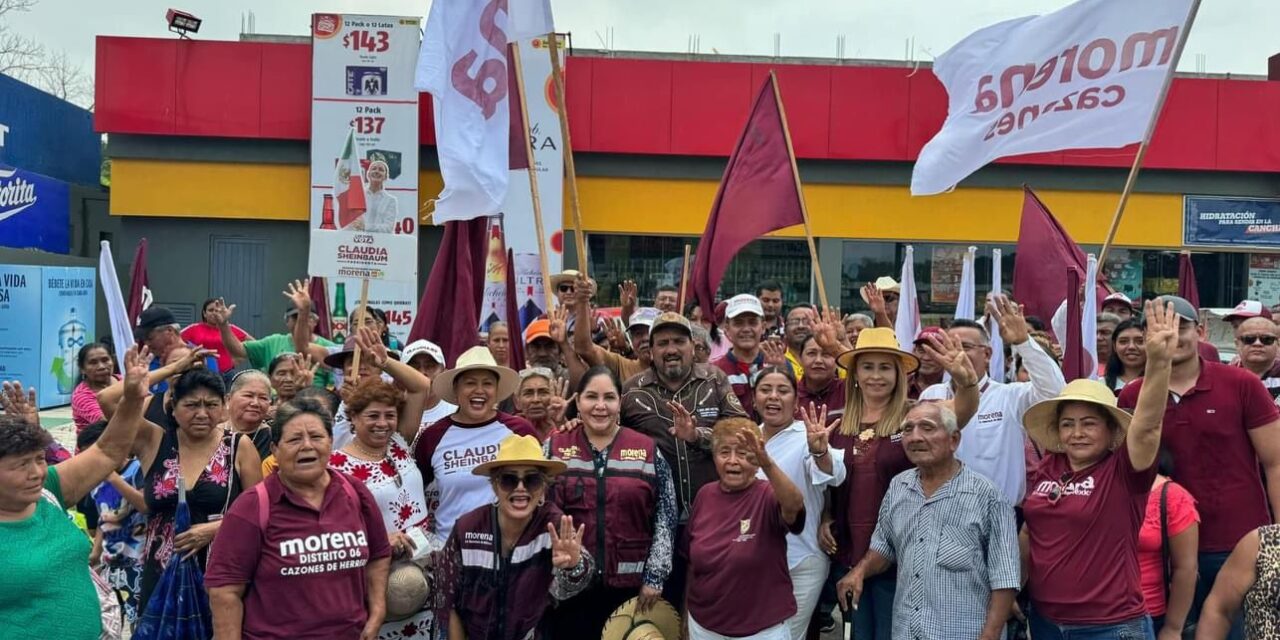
{"x": 951, "y": 534}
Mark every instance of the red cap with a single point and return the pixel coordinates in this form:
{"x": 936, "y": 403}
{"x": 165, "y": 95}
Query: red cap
{"x": 926, "y": 332}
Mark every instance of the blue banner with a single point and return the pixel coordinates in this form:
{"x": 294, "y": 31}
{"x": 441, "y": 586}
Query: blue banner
{"x": 35, "y": 211}
{"x": 49, "y": 136}
{"x": 66, "y": 324}
{"x": 1231, "y": 222}
{"x": 20, "y": 324}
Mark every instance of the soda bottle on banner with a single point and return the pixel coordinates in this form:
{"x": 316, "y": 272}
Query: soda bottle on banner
{"x": 495, "y": 278}
{"x": 339, "y": 319}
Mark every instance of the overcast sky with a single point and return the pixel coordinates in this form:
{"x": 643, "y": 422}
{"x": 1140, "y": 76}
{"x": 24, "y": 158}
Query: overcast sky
{"x": 1234, "y": 36}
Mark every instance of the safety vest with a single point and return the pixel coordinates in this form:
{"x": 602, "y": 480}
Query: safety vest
{"x": 615, "y": 498}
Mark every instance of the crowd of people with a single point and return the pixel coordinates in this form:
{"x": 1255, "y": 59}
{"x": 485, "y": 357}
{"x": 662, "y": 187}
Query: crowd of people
{"x": 754, "y": 472}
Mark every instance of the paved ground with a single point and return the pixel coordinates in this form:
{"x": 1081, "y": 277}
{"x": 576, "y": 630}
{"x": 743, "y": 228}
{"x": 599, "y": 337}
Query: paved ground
{"x": 58, "y": 422}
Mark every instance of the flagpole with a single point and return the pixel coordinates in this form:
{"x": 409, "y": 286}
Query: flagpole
{"x": 364, "y": 311}
{"x": 571, "y": 173}
{"x": 1146, "y": 139}
{"x": 684, "y": 276}
{"x": 804, "y": 210}
{"x": 533, "y": 179}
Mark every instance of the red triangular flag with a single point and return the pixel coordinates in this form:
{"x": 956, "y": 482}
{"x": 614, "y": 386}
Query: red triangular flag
{"x": 517, "y": 147}
{"x": 758, "y": 194}
{"x": 319, "y": 291}
{"x": 1187, "y": 288}
{"x": 1044, "y": 250}
{"x": 450, "y": 308}
{"x": 1074, "y": 356}
{"x": 139, "y": 287}
{"x": 515, "y": 352}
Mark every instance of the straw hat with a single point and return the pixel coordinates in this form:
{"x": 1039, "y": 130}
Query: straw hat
{"x": 884, "y": 283}
{"x": 660, "y": 622}
{"x": 475, "y": 359}
{"x": 407, "y": 590}
{"x": 568, "y": 275}
{"x": 878, "y": 340}
{"x": 1041, "y": 419}
{"x": 520, "y": 451}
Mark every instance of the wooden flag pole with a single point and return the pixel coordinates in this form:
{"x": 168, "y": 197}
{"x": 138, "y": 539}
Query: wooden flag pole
{"x": 804, "y": 210}
{"x": 570, "y": 172}
{"x": 533, "y": 180}
{"x": 363, "y": 308}
{"x": 1146, "y": 139}
{"x": 684, "y": 276}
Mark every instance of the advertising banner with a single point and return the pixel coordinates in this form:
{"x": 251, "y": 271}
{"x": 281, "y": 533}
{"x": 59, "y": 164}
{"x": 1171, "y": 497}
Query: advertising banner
{"x": 1234, "y": 222}
{"x": 364, "y": 164}
{"x": 944, "y": 276}
{"x": 544, "y": 132}
{"x": 1264, "y": 278}
{"x": 35, "y": 211}
{"x": 1124, "y": 272}
{"x": 66, "y": 324}
{"x": 19, "y": 324}
{"x": 493, "y": 307}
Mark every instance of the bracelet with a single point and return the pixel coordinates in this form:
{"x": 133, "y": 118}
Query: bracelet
{"x": 817, "y": 456}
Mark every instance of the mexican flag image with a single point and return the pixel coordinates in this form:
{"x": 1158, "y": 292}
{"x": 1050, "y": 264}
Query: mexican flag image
{"x": 348, "y": 183}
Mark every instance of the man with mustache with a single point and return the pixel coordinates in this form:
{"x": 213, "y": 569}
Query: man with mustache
{"x": 676, "y": 402}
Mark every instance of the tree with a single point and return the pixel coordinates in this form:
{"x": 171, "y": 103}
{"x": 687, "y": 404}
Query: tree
{"x": 29, "y": 61}
{"x": 19, "y": 55}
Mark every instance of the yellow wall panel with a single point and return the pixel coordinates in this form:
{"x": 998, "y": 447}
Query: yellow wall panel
{"x": 680, "y": 207}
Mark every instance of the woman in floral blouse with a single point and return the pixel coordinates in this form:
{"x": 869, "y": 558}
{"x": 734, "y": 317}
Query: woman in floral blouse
{"x": 383, "y": 420}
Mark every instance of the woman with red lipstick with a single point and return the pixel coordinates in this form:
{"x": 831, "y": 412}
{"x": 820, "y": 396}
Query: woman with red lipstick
{"x": 503, "y": 558}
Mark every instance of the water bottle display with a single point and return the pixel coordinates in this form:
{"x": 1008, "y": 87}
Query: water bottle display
{"x": 71, "y": 337}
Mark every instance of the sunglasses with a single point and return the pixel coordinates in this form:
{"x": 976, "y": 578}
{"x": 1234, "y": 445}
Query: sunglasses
{"x": 565, "y": 288}
{"x": 1055, "y": 493}
{"x": 1266, "y": 340}
{"x": 532, "y": 482}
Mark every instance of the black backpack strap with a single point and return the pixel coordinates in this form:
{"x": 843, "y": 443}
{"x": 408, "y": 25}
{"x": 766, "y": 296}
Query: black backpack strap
{"x": 1165, "y": 557}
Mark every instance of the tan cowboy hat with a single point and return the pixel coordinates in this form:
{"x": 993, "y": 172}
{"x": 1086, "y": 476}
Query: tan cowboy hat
{"x": 660, "y": 622}
{"x": 1041, "y": 423}
{"x": 520, "y": 451}
{"x": 568, "y": 275}
{"x": 884, "y": 283}
{"x": 475, "y": 359}
{"x": 878, "y": 340}
{"x": 408, "y": 590}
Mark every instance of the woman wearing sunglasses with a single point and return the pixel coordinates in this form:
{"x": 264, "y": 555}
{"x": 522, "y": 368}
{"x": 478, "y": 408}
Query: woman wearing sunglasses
{"x": 501, "y": 556}
{"x": 619, "y": 487}
{"x": 1088, "y": 497}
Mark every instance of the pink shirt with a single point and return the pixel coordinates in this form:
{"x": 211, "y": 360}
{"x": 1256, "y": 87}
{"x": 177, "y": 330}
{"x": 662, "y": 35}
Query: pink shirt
{"x": 84, "y": 406}
{"x": 206, "y": 335}
{"x": 1181, "y": 509}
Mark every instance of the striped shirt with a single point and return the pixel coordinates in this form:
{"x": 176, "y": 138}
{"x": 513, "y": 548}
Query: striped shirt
{"x": 952, "y": 550}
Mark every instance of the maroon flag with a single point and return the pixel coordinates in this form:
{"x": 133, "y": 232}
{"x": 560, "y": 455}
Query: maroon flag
{"x": 1044, "y": 252}
{"x": 518, "y": 145}
{"x": 139, "y": 287}
{"x": 759, "y": 193}
{"x": 318, "y": 289}
{"x": 450, "y": 308}
{"x": 1074, "y": 358}
{"x": 515, "y": 352}
{"x": 1187, "y": 288}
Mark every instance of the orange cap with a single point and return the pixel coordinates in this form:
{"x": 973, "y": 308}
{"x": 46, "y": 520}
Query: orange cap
{"x": 540, "y": 328}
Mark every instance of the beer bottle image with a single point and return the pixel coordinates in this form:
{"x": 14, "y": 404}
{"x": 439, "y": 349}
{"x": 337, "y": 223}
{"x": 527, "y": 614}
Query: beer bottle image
{"x": 338, "y": 320}
{"x": 326, "y": 214}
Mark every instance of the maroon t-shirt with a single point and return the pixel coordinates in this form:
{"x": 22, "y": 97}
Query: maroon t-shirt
{"x": 832, "y": 395}
{"x": 1207, "y": 433}
{"x": 1084, "y": 548}
{"x": 855, "y": 504}
{"x": 739, "y": 583}
{"x": 305, "y": 573}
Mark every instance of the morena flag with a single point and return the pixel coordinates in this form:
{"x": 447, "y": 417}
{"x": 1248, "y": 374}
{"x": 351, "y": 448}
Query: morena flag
{"x": 1089, "y": 75}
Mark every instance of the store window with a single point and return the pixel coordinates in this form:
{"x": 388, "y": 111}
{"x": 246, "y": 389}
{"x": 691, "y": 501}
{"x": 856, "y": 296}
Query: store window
{"x": 653, "y": 261}
{"x": 937, "y": 267}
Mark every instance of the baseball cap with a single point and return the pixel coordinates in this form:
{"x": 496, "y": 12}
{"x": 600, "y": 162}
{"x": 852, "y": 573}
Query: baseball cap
{"x": 924, "y": 334}
{"x": 643, "y": 317}
{"x": 743, "y": 303}
{"x": 1181, "y": 307}
{"x": 427, "y": 347}
{"x": 540, "y": 328}
{"x": 672, "y": 319}
{"x": 1248, "y": 309}
{"x": 1118, "y": 297}
{"x": 152, "y": 318}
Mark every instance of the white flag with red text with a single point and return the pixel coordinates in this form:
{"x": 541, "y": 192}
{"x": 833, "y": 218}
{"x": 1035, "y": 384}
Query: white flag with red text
{"x": 1085, "y": 76}
{"x": 463, "y": 65}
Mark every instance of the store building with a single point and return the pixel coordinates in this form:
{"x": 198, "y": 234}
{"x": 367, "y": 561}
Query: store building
{"x": 209, "y": 143}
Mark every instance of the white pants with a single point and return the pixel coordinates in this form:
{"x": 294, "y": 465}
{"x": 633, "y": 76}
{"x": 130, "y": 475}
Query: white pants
{"x": 807, "y": 579}
{"x": 776, "y": 632}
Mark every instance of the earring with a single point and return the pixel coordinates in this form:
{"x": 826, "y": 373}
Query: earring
{"x": 542, "y": 501}
{"x": 495, "y": 500}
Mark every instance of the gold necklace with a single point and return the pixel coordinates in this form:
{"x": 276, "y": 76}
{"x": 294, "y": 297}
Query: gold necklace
{"x": 368, "y": 453}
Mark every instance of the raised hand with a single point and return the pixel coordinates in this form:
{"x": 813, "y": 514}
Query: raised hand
{"x": 18, "y": 402}
{"x": 559, "y": 404}
{"x": 370, "y": 343}
{"x": 195, "y": 358}
{"x": 305, "y": 374}
{"x": 816, "y": 429}
{"x": 137, "y": 362}
{"x": 583, "y": 289}
{"x": 559, "y": 323}
{"x": 221, "y": 313}
{"x": 1162, "y": 330}
{"x": 875, "y": 299}
{"x": 617, "y": 339}
{"x": 1009, "y": 314}
{"x": 683, "y": 426}
{"x": 948, "y": 352}
{"x": 629, "y": 294}
{"x": 566, "y": 544}
{"x": 775, "y": 352}
{"x": 299, "y": 294}
{"x": 827, "y": 333}
{"x": 753, "y": 447}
